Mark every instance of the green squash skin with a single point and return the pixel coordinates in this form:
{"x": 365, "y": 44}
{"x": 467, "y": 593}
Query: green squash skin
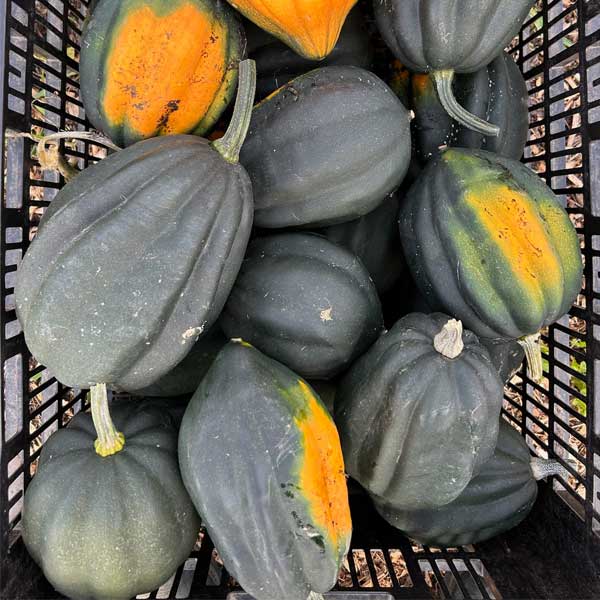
{"x": 497, "y": 500}
{"x": 133, "y": 260}
{"x": 458, "y": 265}
{"x": 429, "y": 35}
{"x": 416, "y": 426}
{"x": 186, "y": 376}
{"x": 497, "y": 93}
{"x": 304, "y": 301}
{"x": 506, "y": 356}
{"x": 96, "y": 40}
{"x": 240, "y": 427}
{"x": 110, "y": 527}
{"x": 375, "y": 240}
{"x": 277, "y": 63}
{"x": 302, "y": 154}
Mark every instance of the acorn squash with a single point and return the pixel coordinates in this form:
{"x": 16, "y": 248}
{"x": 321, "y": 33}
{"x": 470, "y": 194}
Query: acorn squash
{"x": 374, "y": 239}
{"x": 186, "y": 376}
{"x": 158, "y": 67}
{"x": 306, "y": 302}
{"x": 303, "y": 152}
{"x": 444, "y": 37}
{"x": 489, "y": 242}
{"x": 506, "y": 356}
{"x": 284, "y": 528}
{"x": 111, "y": 518}
{"x": 136, "y": 256}
{"x": 496, "y": 93}
{"x": 276, "y": 63}
{"x": 311, "y": 28}
{"x": 496, "y": 500}
{"x": 418, "y": 413}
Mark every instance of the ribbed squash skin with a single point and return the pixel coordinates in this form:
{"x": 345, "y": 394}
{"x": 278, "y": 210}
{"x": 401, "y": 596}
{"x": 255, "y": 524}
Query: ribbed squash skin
{"x": 489, "y": 242}
{"x": 310, "y": 27}
{"x": 497, "y": 500}
{"x": 306, "y": 302}
{"x": 133, "y": 260}
{"x": 326, "y": 148}
{"x": 261, "y": 458}
{"x": 465, "y": 36}
{"x": 276, "y": 63}
{"x": 158, "y": 67}
{"x": 110, "y": 527}
{"x": 186, "y": 376}
{"x": 416, "y": 426}
{"x": 497, "y": 93}
{"x": 374, "y": 239}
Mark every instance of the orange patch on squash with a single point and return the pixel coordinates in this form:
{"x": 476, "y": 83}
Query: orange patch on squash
{"x": 422, "y": 83}
{"x": 164, "y": 71}
{"x": 512, "y": 221}
{"x": 311, "y": 27}
{"x": 321, "y": 475}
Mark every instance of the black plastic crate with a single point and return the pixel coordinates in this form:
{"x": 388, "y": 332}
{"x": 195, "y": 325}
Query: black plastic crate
{"x": 556, "y": 552}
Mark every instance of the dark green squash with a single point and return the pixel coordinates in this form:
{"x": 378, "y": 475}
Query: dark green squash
{"x": 261, "y": 458}
{"x": 136, "y": 256}
{"x": 158, "y": 67}
{"x": 491, "y": 244}
{"x": 326, "y": 148}
{"x": 115, "y": 521}
{"x": 374, "y": 239}
{"x": 496, "y": 93}
{"x": 506, "y": 356}
{"x": 277, "y": 63}
{"x": 418, "y": 413}
{"x": 306, "y": 302}
{"x": 444, "y": 37}
{"x": 496, "y": 500}
{"x": 186, "y": 376}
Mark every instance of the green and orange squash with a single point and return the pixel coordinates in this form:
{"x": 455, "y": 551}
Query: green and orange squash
{"x": 418, "y": 412}
{"x": 136, "y": 256}
{"x": 444, "y": 37}
{"x": 310, "y": 27}
{"x": 158, "y": 67}
{"x": 261, "y": 459}
{"x": 107, "y": 514}
{"x": 276, "y": 63}
{"x": 490, "y": 243}
{"x": 496, "y": 500}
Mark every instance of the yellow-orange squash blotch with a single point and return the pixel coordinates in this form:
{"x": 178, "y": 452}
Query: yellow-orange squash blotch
{"x": 158, "y": 67}
{"x": 310, "y": 27}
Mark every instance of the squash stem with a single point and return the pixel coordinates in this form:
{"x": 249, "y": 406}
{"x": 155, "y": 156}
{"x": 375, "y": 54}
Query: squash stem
{"x": 533, "y": 354}
{"x": 231, "y": 143}
{"x": 448, "y": 342}
{"x": 109, "y": 441}
{"x": 542, "y": 468}
{"x": 443, "y": 85}
{"x": 315, "y": 596}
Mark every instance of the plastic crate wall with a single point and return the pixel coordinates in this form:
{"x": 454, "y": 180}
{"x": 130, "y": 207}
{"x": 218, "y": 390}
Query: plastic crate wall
{"x": 559, "y": 53}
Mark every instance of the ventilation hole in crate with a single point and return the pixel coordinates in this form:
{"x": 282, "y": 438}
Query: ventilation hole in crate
{"x": 344, "y": 576}
{"x": 382, "y": 573}
{"x": 215, "y": 569}
{"x": 15, "y": 510}
{"x": 400, "y": 569}
{"x": 16, "y": 487}
{"x": 12, "y": 374}
{"x": 431, "y": 580}
{"x": 15, "y": 464}
{"x": 10, "y": 279}
{"x": 12, "y": 329}
{"x": 187, "y": 577}
{"x": 9, "y": 302}
{"x": 363, "y": 574}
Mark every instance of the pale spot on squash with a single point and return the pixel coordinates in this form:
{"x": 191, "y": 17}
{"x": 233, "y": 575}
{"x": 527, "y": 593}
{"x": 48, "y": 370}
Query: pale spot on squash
{"x": 326, "y": 314}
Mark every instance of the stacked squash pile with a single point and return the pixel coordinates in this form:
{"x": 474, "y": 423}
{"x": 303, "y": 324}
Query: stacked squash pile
{"x": 249, "y": 271}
